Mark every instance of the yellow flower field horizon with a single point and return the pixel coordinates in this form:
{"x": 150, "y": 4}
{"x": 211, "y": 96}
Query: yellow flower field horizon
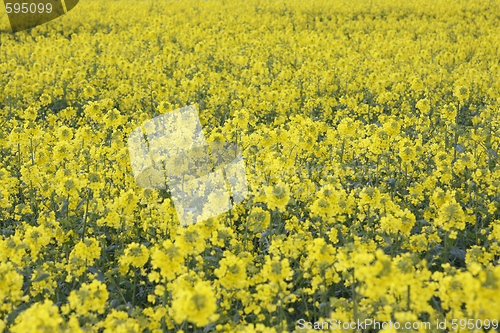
{"x": 370, "y": 132}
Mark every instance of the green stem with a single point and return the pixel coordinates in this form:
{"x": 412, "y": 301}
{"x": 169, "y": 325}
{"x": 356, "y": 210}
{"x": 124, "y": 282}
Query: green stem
{"x": 355, "y": 300}
{"x": 246, "y": 233}
{"x": 67, "y": 210}
{"x": 455, "y": 141}
{"x": 445, "y": 254}
{"x": 408, "y": 300}
{"x": 85, "y": 216}
{"x": 134, "y": 288}
{"x": 342, "y": 151}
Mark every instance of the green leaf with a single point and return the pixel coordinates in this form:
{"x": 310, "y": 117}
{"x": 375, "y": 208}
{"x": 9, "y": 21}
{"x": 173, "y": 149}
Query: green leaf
{"x": 13, "y": 315}
{"x": 493, "y": 152}
{"x": 459, "y": 253}
{"x": 64, "y": 222}
{"x": 80, "y": 204}
{"x": 100, "y": 277}
{"x": 460, "y": 148}
{"x": 127, "y": 284}
{"x": 387, "y": 239}
{"x": 324, "y": 305}
{"x": 64, "y": 207}
{"x": 41, "y": 277}
{"x": 115, "y": 303}
{"x": 209, "y": 327}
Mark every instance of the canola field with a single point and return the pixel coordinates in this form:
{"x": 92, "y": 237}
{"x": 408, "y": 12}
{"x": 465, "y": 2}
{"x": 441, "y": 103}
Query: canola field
{"x": 371, "y": 137}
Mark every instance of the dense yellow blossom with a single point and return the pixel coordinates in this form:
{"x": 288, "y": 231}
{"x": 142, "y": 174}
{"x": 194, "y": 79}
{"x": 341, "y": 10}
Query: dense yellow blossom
{"x": 40, "y": 317}
{"x": 90, "y": 297}
{"x": 196, "y": 303}
{"x": 370, "y": 132}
